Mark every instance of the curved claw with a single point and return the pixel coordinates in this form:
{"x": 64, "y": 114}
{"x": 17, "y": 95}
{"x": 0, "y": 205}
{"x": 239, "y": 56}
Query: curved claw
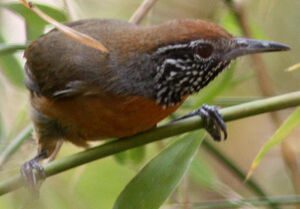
{"x": 213, "y": 121}
{"x": 33, "y": 179}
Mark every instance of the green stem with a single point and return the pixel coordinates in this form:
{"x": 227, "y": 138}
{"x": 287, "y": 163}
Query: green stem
{"x": 15, "y": 144}
{"x": 7, "y": 49}
{"x": 225, "y": 102}
{"x": 113, "y": 147}
{"x": 247, "y": 202}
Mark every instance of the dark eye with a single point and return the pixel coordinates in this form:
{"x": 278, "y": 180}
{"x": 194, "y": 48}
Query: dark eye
{"x": 204, "y": 50}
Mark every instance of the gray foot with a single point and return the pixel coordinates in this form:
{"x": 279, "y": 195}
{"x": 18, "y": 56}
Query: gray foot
{"x": 212, "y": 121}
{"x": 33, "y": 173}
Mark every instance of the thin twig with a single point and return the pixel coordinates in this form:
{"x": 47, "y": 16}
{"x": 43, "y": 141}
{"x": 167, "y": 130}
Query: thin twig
{"x": 141, "y": 12}
{"x": 116, "y": 146}
{"x": 15, "y": 144}
{"x": 67, "y": 9}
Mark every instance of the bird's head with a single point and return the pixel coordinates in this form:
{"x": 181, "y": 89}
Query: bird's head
{"x": 192, "y": 53}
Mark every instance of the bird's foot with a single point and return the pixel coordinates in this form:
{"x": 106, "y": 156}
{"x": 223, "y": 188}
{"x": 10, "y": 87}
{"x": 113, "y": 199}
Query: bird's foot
{"x": 212, "y": 121}
{"x": 33, "y": 173}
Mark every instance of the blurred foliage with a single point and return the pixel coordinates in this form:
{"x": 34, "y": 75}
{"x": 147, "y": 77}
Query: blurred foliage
{"x": 19, "y": 122}
{"x": 2, "y": 130}
{"x": 135, "y": 156}
{"x": 35, "y": 26}
{"x": 230, "y": 23}
{"x": 11, "y": 67}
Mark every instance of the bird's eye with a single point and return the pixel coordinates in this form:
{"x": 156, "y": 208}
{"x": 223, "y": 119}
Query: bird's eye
{"x": 204, "y": 50}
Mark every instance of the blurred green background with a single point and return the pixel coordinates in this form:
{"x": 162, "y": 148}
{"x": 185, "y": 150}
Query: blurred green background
{"x": 98, "y": 184}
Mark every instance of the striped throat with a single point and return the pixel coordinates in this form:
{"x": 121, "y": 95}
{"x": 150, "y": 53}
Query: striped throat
{"x": 185, "y": 68}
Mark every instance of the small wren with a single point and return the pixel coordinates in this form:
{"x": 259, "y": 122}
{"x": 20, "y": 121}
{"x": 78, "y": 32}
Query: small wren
{"x": 80, "y": 94}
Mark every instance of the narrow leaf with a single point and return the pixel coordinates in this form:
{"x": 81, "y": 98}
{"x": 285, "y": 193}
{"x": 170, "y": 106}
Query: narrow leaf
{"x": 202, "y": 173}
{"x": 294, "y": 67}
{"x": 285, "y": 129}
{"x": 156, "y": 181}
{"x": 30, "y": 16}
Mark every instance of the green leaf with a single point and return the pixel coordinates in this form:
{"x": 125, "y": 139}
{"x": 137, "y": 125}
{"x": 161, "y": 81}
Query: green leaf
{"x": 285, "y": 129}
{"x": 294, "y": 67}
{"x": 157, "y": 180}
{"x": 34, "y": 24}
{"x": 202, "y": 173}
{"x": 11, "y": 68}
{"x": 19, "y": 122}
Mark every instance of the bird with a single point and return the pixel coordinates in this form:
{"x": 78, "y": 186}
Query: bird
{"x": 80, "y": 94}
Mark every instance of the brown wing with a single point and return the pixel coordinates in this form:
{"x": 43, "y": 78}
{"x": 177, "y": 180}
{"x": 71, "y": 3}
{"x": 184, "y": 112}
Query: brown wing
{"x": 58, "y": 66}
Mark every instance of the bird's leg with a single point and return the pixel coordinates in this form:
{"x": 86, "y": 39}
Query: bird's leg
{"x": 212, "y": 121}
{"x": 33, "y": 179}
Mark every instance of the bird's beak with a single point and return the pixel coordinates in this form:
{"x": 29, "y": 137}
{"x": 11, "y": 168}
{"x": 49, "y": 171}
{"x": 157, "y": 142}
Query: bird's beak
{"x": 244, "y": 46}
